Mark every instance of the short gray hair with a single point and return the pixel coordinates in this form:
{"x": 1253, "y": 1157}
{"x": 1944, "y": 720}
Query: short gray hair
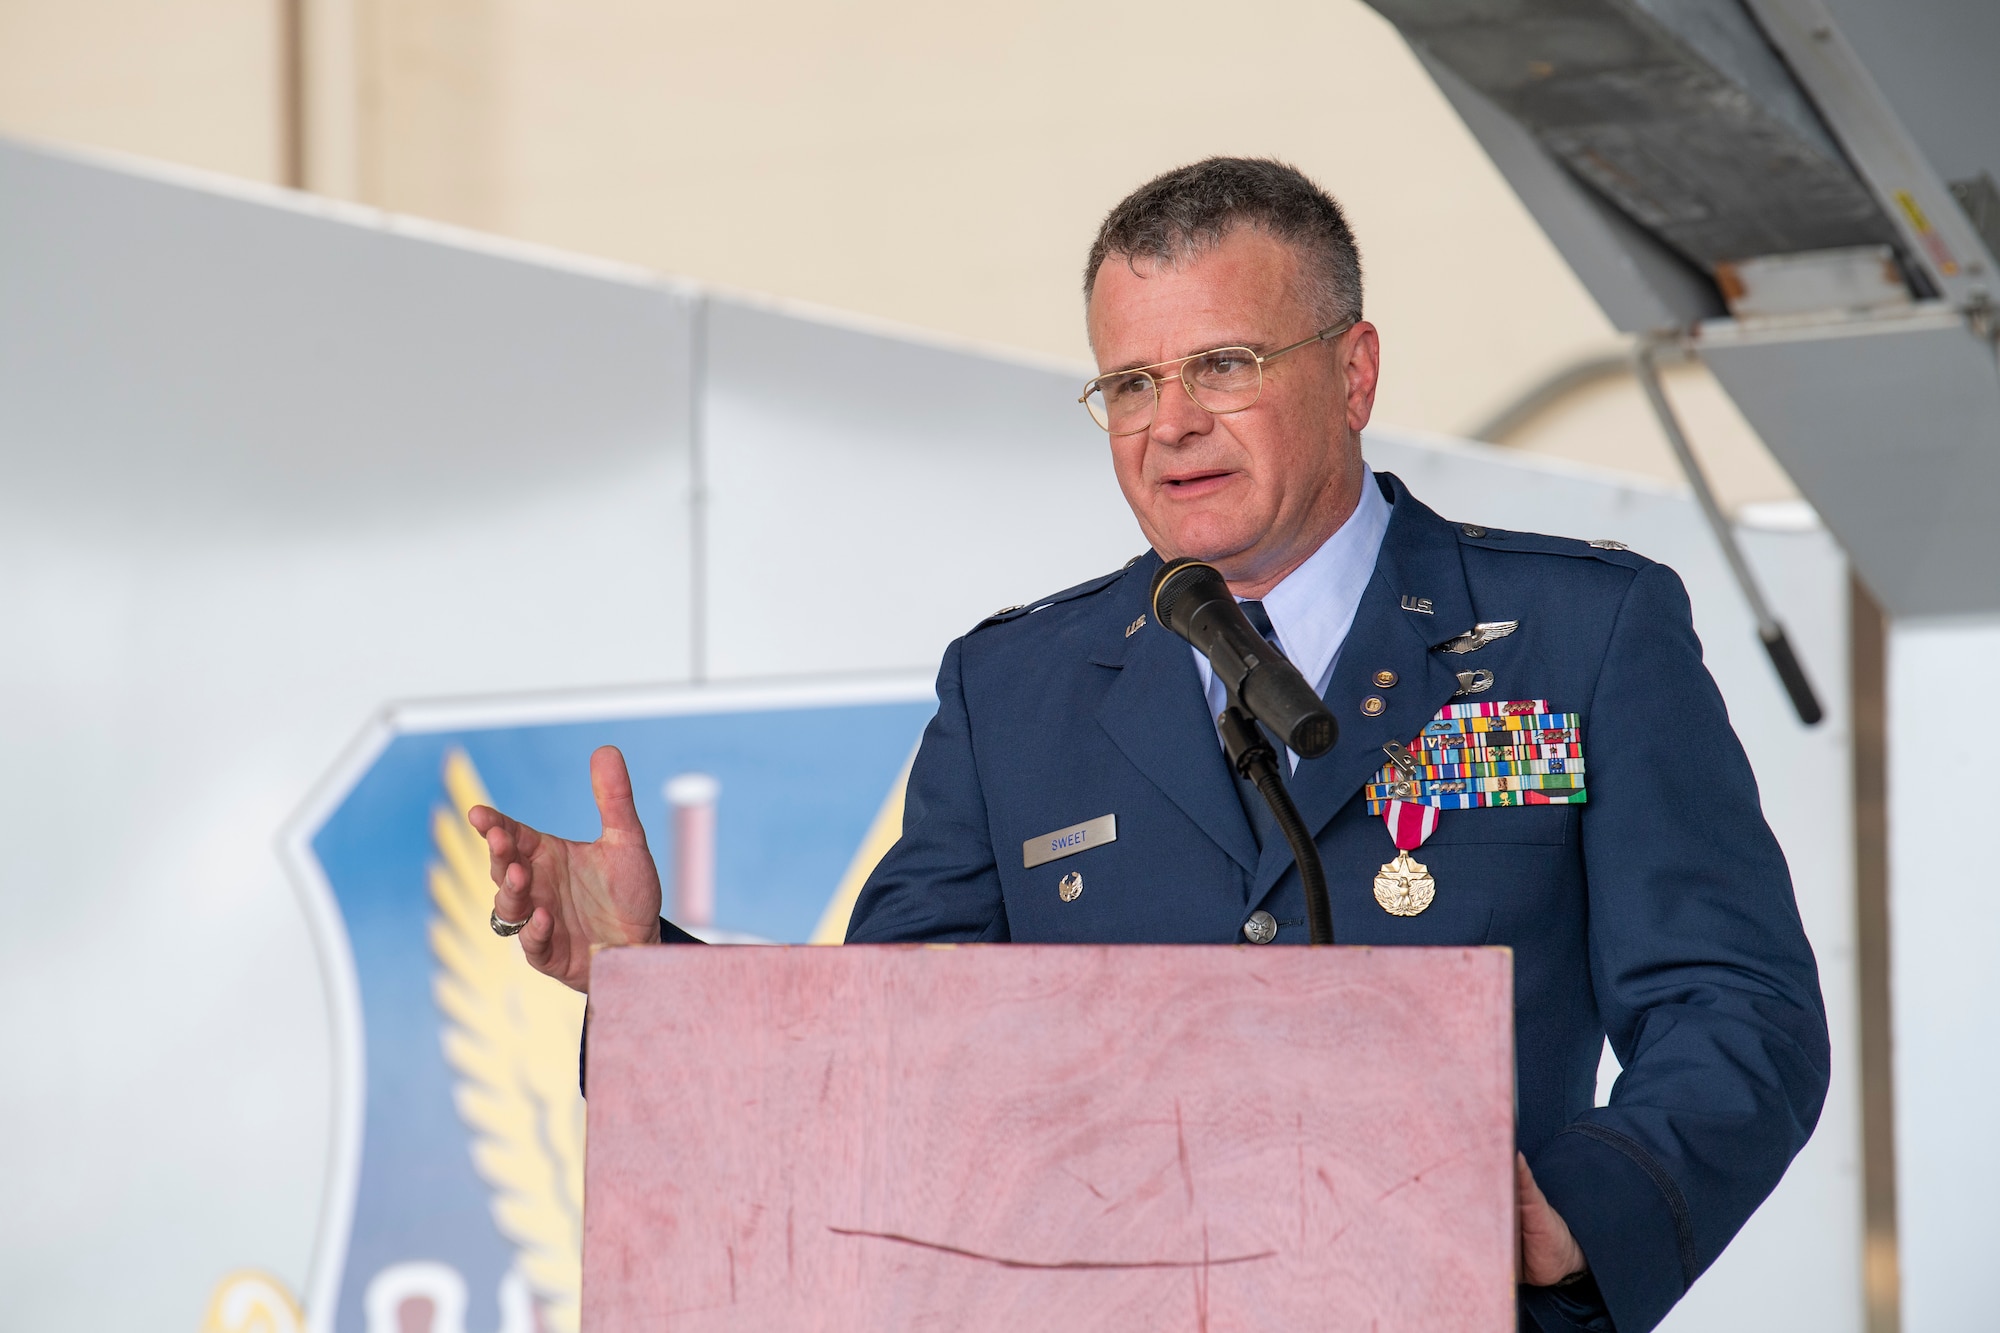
{"x": 1190, "y": 209}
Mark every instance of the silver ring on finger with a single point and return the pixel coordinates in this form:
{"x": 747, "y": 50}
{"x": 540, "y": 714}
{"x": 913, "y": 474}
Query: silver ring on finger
{"x": 505, "y": 928}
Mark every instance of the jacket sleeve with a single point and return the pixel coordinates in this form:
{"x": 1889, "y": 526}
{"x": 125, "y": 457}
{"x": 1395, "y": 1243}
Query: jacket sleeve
{"x": 1703, "y": 976}
{"x": 939, "y": 882}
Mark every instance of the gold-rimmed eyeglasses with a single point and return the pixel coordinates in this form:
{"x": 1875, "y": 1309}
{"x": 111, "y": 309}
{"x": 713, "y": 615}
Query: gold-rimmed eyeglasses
{"x": 1227, "y": 379}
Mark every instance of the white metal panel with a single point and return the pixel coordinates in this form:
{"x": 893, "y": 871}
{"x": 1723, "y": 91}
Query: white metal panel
{"x": 1944, "y": 940}
{"x": 286, "y": 369}
{"x": 870, "y": 498}
{"x": 1892, "y": 427}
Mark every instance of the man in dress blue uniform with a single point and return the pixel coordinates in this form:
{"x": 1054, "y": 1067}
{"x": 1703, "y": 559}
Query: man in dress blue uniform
{"x": 1224, "y": 304}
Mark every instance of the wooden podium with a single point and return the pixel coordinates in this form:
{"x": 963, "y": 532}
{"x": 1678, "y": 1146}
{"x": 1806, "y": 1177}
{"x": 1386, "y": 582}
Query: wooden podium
{"x": 1043, "y": 1137}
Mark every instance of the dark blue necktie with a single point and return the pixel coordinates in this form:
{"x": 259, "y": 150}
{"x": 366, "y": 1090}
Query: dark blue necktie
{"x": 1262, "y": 825}
{"x": 1260, "y": 620}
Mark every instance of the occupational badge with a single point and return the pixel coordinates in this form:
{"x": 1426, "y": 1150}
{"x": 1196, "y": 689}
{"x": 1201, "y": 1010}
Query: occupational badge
{"x": 1508, "y": 752}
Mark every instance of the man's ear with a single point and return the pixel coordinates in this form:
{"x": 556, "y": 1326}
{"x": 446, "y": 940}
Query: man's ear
{"x": 1362, "y": 369}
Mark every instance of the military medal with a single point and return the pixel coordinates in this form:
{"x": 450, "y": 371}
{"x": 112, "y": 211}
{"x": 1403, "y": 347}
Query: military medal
{"x": 1405, "y": 887}
{"x": 1505, "y": 753}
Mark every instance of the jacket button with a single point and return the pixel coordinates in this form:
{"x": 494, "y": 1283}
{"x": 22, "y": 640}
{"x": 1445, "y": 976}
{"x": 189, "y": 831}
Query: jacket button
{"x": 1373, "y": 705}
{"x": 1384, "y": 679}
{"x": 1473, "y": 530}
{"x": 1261, "y": 928}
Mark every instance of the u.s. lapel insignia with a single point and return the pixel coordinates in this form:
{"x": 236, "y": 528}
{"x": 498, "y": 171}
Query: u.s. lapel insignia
{"x": 1135, "y": 627}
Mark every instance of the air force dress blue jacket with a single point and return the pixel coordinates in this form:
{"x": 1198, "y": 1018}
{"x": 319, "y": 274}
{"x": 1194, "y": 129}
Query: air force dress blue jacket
{"x": 1660, "y": 912}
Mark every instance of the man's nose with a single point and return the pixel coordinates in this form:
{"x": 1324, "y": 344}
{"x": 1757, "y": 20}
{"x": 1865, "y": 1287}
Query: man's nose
{"x": 1177, "y": 414}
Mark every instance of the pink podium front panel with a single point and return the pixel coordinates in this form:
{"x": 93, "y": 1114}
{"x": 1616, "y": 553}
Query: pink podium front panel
{"x": 1028, "y": 1137}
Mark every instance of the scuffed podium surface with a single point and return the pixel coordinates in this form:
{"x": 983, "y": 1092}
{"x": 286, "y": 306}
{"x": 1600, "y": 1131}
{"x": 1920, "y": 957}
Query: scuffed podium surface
{"x": 1050, "y": 1137}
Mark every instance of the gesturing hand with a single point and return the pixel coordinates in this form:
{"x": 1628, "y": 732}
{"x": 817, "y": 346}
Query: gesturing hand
{"x": 1549, "y": 1253}
{"x": 576, "y": 894}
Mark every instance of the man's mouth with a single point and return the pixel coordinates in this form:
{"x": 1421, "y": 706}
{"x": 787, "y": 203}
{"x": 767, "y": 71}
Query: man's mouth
{"x": 1195, "y": 483}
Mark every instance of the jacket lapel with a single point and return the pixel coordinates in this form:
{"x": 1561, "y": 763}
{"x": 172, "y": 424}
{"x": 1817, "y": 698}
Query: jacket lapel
{"x": 1419, "y": 561}
{"x": 1156, "y": 715}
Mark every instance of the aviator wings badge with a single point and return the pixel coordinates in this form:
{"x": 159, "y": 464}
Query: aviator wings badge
{"x": 1485, "y": 632}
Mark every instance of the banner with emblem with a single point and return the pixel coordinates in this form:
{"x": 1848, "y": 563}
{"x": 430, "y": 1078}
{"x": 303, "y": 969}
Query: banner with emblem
{"x": 457, "y": 1188}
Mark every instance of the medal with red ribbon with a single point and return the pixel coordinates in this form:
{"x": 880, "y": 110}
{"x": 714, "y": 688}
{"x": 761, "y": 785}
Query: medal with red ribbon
{"x": 1404, "y": 887}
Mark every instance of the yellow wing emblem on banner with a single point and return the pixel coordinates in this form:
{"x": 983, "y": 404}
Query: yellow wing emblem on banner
{"x": 511, "y": 1037}
{"x": 881, "y": 836}
{"x": 249, "y": 1301}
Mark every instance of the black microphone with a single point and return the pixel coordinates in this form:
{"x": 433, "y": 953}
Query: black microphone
{"x": 1191, "y": 598}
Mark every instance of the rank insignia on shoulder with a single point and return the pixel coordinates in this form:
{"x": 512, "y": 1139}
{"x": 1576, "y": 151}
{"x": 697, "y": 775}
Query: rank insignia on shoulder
{"x": 1606, "y": 544}
{"x": 1485, "y": 632}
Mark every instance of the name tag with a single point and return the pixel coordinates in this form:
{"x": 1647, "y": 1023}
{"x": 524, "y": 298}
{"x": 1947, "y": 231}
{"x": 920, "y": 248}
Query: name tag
{"x": 1069, "y": 841}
